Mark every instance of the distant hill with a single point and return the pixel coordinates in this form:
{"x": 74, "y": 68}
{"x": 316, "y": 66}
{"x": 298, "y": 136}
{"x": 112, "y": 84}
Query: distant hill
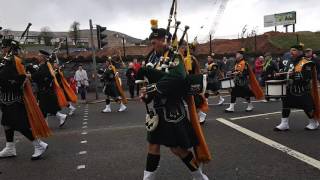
{"x": 114, "y": 38}
{"x": 275, "y": 42}
{"x": 285, "y": 40}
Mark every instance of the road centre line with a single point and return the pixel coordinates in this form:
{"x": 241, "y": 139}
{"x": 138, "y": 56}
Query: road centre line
{"x": 81, "y": 167}
{"x": 291, "y": 152}
{"x": 259, "y": 115}
{"x": 82, "y": 152}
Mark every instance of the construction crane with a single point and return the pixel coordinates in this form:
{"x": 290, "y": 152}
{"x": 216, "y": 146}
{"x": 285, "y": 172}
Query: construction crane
{"x": 218, "y": 16}
{"x": 216, "y": 21}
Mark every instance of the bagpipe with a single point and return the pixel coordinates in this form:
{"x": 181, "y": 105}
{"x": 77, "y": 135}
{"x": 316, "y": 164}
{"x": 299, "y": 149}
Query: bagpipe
{"x": 179, "y": 82}
{"x": 37, "y": 122}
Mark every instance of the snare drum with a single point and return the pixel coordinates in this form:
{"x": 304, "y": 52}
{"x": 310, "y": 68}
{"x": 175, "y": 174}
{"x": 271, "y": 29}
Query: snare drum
{"x": 227, "y": 83}
{"x": 276, "y": 88}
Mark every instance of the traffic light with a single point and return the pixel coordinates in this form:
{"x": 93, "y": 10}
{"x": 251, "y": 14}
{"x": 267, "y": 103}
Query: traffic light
{"x": 102, "y": 41}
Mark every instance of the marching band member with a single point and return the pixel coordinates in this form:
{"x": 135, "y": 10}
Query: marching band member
{"x": 214, "y": 74}
{"x": 270, "y": 68}
{"x": 111, "y": 89}
{"x": 47, "y": 96}
{"x": 302, "y": 90}
{"x": 15, "y": 112}
{"x": 246, "y": 84}
{"x": 171, "y": 127}
{"x": 194, "y": 69}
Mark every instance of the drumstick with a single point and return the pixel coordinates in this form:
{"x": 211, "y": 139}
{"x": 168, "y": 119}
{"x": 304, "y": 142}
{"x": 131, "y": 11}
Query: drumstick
{"x": 283, "y": 73}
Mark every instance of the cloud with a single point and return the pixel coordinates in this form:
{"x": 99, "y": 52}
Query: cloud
{"x": 132, "y": 16}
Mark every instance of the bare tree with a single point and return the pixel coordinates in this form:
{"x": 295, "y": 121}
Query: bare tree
{"x": 75, "y": 32}
{"x": 46, "y": 34}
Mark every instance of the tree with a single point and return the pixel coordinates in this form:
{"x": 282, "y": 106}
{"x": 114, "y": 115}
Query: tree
{"x": 74, "y": 32}
{"x": 46, "y": 34}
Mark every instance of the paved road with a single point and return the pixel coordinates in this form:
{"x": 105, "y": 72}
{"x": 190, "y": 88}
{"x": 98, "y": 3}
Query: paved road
{"x": 93, "y": 145}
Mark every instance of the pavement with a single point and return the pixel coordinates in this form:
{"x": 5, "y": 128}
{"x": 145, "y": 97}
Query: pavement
{"x": 112, "y": 146}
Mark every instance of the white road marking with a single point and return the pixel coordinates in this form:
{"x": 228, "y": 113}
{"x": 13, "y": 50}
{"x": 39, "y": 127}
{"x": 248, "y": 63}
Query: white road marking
{"x": 291, "y": 152}
{"x": 85, "y": 116}
{"x": 84, "y": 123}
{"x": 84, "y": 127}
{"x": 259, "y": 115}
{"x": 84, "y": 142}
{"x": 218, "y": 104}
{"x": 81, "y": 167}
{"x": 85, "y": 119}
{"x": 84, "y": 133}
{"x": 82, "y": 152}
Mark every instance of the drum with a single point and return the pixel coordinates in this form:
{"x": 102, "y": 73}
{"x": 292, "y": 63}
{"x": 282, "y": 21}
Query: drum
{"x": 227, "y": 83}
{"x": 276, "y": 88}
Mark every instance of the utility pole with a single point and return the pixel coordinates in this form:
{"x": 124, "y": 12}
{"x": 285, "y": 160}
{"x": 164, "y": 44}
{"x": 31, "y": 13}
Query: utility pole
{"x": 255, "y": 43}
{"x": 67, "y": 48}
{"x": 210, "y": 41}
{"x": 124, "y": 48}
{"x": 93, "y": 49}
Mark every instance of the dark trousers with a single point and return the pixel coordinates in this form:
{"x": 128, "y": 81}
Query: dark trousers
{"x": 138, "y": 88}
{"x": 82, "y": 91}
{"x": 234, "y": 98}
{"x": 286, "y": 113}
{"x": 9, "y": 133}
{"x": 131, "y": 91}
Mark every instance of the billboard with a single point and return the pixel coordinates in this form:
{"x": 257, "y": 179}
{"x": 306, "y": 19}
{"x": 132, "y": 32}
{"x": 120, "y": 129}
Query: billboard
{"x": 287, "y": 18}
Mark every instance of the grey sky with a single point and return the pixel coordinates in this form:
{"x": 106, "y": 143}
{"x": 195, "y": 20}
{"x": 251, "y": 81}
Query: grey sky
{"x": 132, "y": 16}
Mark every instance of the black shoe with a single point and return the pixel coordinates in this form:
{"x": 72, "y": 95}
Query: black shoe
{"x": 228, "y": 111}
{"x": 279, "y": 130}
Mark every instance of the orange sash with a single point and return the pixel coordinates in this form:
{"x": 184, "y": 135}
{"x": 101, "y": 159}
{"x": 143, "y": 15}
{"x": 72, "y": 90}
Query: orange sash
{"x": 62, "y": 101}
{"x": 202, "y": 151}
{"x": 314, "y": 85}
{"x": 240, "y": 66}
{"x": 315, "y": 94}
{"x": 67, "y": 88}
{"x": 119, "y": 87}
{"x": 254, "y": 85}
{"x": 36, "y": 119}
{"x": 204, "y": 107}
